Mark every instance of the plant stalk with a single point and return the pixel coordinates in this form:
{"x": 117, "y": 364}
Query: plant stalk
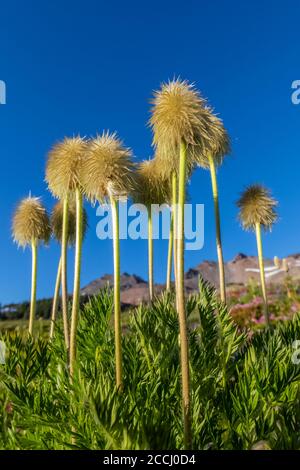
{"x": 174, "y": 210}
{"x": 262, "y": 272}
{"x": 150, "y": 255}
{"x": 218, "y": 227}
{"x": 55, "y": 300}
{"x": 117, "y": 300}
{"x": 76, "y": 290}
{"x": 170, "y": 253}
{"x": 33, "y": 286}
{"x": 184, "y": 348}
{"x": 64, "y": 282}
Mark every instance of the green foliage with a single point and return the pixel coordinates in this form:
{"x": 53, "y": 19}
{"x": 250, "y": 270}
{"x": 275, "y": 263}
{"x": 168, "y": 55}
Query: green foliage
{"x": 245, "y": 390}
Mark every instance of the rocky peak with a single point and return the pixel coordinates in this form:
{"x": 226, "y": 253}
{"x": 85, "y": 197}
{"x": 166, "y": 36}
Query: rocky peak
{"x": 239, "y": 257}
{"x": 239, "y": 271}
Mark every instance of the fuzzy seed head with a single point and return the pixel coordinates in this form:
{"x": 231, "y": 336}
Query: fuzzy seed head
{"x": 64, "y": 166}
{"x": 168, "y": 163}
{"x": 152, "y": 187}
{"x": 178, "y": 114}
{"x": 217, "y": 142}
{"x": 30, "y": 222}
{"x": 108, "y": 169}
{"x": 56, "y": 220}
{"x": 257, "y": 206}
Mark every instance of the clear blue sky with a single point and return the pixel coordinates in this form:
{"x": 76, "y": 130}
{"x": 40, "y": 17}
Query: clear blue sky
{"x": 83, "y": 66}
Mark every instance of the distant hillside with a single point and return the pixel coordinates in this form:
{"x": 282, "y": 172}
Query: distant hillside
{"x": 21, "y": 310}
{"x": 134, "y": 289}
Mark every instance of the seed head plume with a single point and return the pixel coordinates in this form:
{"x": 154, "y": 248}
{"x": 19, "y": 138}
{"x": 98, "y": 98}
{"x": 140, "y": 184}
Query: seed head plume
{"x": 151, "y": 186}
{"x": 217, "y": 142}
{"x": 65, "y": 162}
{"x": 168, "y": 162}
{"x": 56, "y": 220}
{"x": 179, "y": 113}
{"x": 30, "y": 222}
{"x": 257, "y": 206}
{"x": 108, "y": 169}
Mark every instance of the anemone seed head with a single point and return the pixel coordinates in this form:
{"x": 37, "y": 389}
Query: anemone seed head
{"x": 168, "y": 162}
{"x": 56, "y": 220}
{"x": 178, "y": 114}
{"x": 30, "y": 222}
{"x": 217, "y": 142}
{"x": 108, "y": 169}
{"x": 152, "y": 186}
{"x": 257, "y": 206}
{"x": 64, "y": 166}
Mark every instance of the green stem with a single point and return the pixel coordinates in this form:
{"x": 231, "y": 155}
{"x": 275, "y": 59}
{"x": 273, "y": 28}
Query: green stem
{"x": 55, "y": 300}
{"x": 170, "y": 252}
{"x": 262, "y": 272}
{"x": 218, "y": 227}
{"x": 117, "y": 300}
{"x": 64, "y": 282}
{"x": 33, "y": 286}
{"x": 76, "y": 290}
{"x": 184, "y": 348}
{"x": 150, "y": 255}
{"x": 174, "y": 209}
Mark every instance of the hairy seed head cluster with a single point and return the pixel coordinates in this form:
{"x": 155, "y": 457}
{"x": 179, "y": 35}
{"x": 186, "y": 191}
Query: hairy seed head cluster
{"x": 217, "y": 142}
{"x": 30, "y": 222}
{"x": 108, "y": 169}
{"x": 257, "y": 206}
{"x": 56, "y": 220}
{"x": 64, "y": 166}
{"x": 152, "y": 186}
{"x": 181, "y": 114}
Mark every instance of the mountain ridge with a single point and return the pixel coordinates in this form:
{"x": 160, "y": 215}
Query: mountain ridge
{"x": 238, "y": 271}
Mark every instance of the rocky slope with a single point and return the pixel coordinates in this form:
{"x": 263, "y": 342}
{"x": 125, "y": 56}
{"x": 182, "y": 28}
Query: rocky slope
{"x": 134, "y": 289}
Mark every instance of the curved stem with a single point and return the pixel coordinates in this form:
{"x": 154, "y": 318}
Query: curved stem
{"x": 76, "y": 290}
{"x": 170, "y": 252}
{"x": 184, "y": 348}
{"x": 33, "y": 286}
{"x": 64, "y": 283}
{"x": 55, "y": 300}
{"x": 117, "y": 300}
{"x": 150, "y": 255}
{"x": 262, "y": 272}
{"x": 218, "y": 227}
